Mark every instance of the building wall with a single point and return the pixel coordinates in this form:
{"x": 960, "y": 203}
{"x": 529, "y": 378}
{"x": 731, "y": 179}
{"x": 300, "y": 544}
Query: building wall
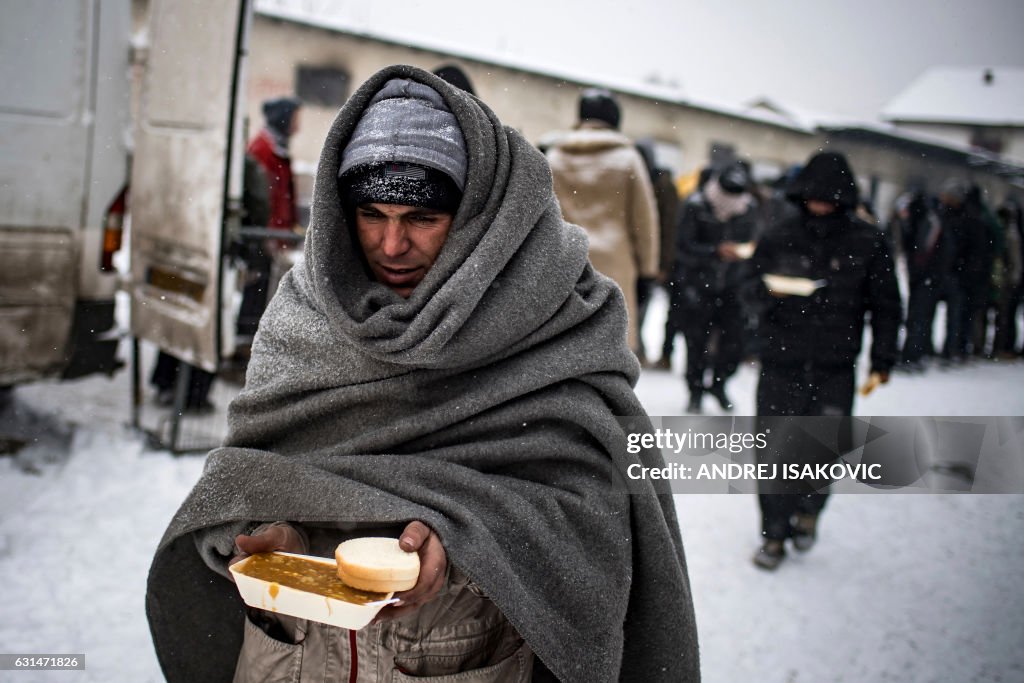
{"x": 886, "y": 173}
{"x": 536, "y": 105}
{"x": 533, "y": 104}
{"x": 1012, "y": 138}
{"x": 1015, "y": 145}
{"x": 957, "y": 135}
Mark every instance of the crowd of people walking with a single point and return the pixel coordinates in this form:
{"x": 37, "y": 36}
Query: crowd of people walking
{"x": 790, "y": 275}
{"x": 448, "y": 363}
{"x": 960, "y": 252}
{"x": 949, "y": 247}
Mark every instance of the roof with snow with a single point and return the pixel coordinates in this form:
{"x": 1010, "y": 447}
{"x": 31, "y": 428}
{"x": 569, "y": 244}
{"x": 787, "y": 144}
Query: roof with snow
{"x": 796, "y": 115}
{"x": 762, "y": 110}
{"x": 978, "y": 96}
{"x": 303, "y": 13}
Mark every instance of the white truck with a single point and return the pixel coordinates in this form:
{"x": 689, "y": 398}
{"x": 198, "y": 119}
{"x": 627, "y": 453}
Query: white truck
{"x": 64, "y": 136}
{"x": 67, "y": 143}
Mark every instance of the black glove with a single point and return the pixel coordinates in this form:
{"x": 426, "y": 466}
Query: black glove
{"x": 644, "y": 289}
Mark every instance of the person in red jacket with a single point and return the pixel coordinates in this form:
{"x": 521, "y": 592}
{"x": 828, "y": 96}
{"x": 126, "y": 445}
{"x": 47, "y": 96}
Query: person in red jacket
{"x": 270, "y": 149}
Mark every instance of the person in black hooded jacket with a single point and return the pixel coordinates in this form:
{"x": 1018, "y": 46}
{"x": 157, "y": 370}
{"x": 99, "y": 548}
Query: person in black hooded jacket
{"x": 810, "y": 343}
{"x": 930, "y": 249}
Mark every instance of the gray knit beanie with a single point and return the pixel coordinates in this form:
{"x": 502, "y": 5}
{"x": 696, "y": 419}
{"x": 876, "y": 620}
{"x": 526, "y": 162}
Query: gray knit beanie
{"x": 408, "y": 122}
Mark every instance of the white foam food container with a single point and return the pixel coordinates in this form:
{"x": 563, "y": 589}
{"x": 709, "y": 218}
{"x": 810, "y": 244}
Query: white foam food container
{"x": 275, "y": 596}
{"x": 797, "y": 286}
{"x": 745, "y": 250}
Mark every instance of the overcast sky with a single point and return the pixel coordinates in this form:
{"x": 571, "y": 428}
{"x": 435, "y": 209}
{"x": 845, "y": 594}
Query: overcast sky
{"x": 832, "y": 56}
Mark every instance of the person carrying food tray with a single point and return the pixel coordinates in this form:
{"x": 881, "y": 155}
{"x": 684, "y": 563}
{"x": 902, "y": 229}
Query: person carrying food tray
{"x": 820, "y": 273}
{"x": 445, "y": 368}
{"x": 715, "y": 238}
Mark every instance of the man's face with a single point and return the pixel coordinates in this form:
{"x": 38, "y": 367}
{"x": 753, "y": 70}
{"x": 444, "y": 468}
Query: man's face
{"x": 817, "y": 207}
{"x": 400, "y": 242}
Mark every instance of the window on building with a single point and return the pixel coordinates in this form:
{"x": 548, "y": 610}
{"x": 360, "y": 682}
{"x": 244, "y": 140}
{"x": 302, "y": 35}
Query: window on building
{"x": 668, "y": 155}
{"x": 987, "y": 138}
{"x": 326, "y": 86}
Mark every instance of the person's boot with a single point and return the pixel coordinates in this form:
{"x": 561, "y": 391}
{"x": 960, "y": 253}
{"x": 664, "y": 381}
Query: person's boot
{"x": 718, "y": 391}
{"x": 693, "y": 407}
{"x": 770, "y": 555}
{"x": 805, "y": 531}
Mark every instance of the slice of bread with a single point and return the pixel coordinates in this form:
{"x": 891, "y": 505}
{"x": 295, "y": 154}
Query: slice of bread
{"x": 377, "y": 564}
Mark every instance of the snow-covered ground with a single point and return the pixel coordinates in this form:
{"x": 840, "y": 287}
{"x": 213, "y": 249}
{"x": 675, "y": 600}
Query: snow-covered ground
{"x": 899, "y": 588}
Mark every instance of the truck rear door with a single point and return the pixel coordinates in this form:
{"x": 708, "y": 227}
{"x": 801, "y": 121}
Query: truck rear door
{"x": 63, "y": 158}
{"x": 187, "y": 174}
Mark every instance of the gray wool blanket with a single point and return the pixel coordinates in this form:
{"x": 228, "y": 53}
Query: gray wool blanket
{"x": 484, "y": 405}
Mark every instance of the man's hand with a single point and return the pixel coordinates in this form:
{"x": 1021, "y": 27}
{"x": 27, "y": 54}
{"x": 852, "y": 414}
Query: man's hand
{"x": 728, "y": 253}
{"x": 644, "y": 288}
{"x": 875, "y": 380}
{"x": 418, "y": 537}
{"x": 277, "y": 536}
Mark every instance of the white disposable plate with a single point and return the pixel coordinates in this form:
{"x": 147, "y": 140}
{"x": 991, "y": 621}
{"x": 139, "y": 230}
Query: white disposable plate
{"x": 745, "y": 250}
{"x": 797, "y": 286}
{"x": 277, "y": 597}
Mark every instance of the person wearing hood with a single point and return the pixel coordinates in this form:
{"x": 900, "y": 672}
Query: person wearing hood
{"x": 929, "y": 249}
{"x": 968, "y": 278}
{"x": 982, "y": 292}
{"x": 831, "y": 270}
{"x": 1005, "y": 342}
{"x": 603, "y": 186}
{"x": 446, "y": 368}
{"x": 714, "y": 241}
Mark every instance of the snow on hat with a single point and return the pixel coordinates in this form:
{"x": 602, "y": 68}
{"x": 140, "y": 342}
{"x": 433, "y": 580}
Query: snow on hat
{"x": 408, "y": 122}
{"x": 400, "y": 183}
